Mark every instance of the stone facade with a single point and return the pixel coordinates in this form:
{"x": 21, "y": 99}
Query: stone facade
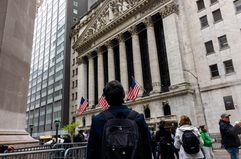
{"x": 192, "y": 90}
{"x": 16, "y": 30}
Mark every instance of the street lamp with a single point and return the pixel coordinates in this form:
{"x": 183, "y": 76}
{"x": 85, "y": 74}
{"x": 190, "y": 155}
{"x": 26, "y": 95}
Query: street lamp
{"x": 56, "y": 122}
{"x": 200, "y": 96}
{"x": 31, "y": 129}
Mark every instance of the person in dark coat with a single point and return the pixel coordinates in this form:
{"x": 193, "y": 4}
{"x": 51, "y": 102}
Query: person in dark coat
{"x": 79, "y": 137}
{"x": 3, "y": 148}
{"x": 67, "y": 138}
{"x": 163, "y": 136}
{"x": 229, "y": 134}
{"x": 114, "y": 94}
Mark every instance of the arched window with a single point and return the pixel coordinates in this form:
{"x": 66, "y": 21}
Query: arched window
{"x": 83, "y": 120}
{"x": 147, "y": 112}
{"x": 166, "y": 109}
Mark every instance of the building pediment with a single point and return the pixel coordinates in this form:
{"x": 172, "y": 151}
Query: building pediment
{"x": 109, "y": 14}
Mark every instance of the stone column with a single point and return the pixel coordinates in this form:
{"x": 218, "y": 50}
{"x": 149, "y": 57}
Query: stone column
{"x": 91, "y": 82}
{"x": 173, "y": 50}
{"x": 82, "y": 79}
{"x": 137, "y": 57}
{"x": 16, "y": 34}
{"x": 111, "y": 65}
{"x": 100, "y": 72}
{"x": 152, "y": 49}
{"x": 123, "y": 63}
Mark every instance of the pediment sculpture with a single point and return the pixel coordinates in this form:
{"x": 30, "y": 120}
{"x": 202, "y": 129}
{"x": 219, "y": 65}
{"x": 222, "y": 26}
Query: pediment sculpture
{"x": 106, "y": 14}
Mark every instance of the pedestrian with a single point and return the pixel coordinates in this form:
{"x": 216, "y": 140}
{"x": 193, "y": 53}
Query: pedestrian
{"x": 79, "y": 137}
{"x": 163, "y": 136}
{"x": 173, "y": 133}
{"x": 188, "y": 140}
{"x": 229, "y": 134}
{"x": 67, "y": 138}
{"x": 153, "y": 142}
{"x": 3, "y": 148}
{"x": 99, "y": 147}
{"x": 207, "y": 143}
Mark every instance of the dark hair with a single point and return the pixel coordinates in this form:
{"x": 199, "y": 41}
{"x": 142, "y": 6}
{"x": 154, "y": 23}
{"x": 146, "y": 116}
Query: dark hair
{"x": 162, "y": 124}
{"x": 114, "y": 93}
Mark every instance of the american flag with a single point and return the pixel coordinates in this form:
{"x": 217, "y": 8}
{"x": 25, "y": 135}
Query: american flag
{"x": 133, "y": 91}
{"x": 103, "y": 103}
{"x": 83, "y": 105}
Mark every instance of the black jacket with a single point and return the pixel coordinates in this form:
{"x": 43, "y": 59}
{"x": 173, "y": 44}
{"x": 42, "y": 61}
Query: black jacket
{"x": 3, "y": 148}
{"x": 96, "y": 131}
{"x": 229, "y": 134}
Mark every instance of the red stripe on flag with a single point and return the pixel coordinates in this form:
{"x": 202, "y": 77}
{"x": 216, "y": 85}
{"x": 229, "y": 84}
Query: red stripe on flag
{"x": 103, "y": 103}
{"x": 83, "y": 105}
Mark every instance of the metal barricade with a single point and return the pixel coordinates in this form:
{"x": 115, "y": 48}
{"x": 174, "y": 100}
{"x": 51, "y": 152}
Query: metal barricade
{"x": 68, "y": 145}
{"x": 40, "y": 154}
{"x": 76, "y": 153}
{"x": 33, "y": 148}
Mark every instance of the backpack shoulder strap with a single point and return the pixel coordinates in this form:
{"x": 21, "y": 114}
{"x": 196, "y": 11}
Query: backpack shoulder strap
{"x": 132, "y": 115}
{"x": 108, "y": 115}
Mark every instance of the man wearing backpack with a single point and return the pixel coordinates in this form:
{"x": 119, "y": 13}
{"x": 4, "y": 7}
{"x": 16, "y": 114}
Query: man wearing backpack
{"x": 188, "y": 140}
{"x": 118, "y": 132}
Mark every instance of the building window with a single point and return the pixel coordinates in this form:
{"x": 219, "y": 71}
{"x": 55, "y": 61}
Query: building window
{"x": 76, "y": 83}
{"x": 76, "y": 71}
{"x": 213, "y": 1}
{"x": 223, "y": 42}
{"x": 72, "y": 96}
{"x": 73, "y": 84}
{"x": 200, "y": 5}
{"x": 76, "y": 94}
{"x": 237, "y": 5}
{"x": 75, "y": 3}
{"x": 217, "y": 16}
{"x": 147, "y": 113}
{"x": 228, "y": 102}
{"x": 75, "y": 11}
{"x": 209, "y": 47}
{"x": 228, "y": 65}
{"x": 73, "y": 73}
{"x": 73, "y": 61}
{"x": 214, "y": 70}
{"x": 204, "y": 21}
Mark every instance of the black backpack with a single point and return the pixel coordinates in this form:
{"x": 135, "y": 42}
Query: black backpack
{"x": 120, "y": 136}
{"x": 190, "y": 142}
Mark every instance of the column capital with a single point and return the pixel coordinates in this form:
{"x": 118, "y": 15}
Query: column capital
{"x": 120, "y": 37}
{"x": 169, "y": 9}
{"x": 109, "y": 44}
{"x": 148, "y": 22}
{"x": 133, "y": 30}
{"x": 81, "y": 60}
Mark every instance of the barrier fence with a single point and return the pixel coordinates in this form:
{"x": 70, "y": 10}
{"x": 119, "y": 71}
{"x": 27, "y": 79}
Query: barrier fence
{"x": 33, "y": 148}
{"x": 67, "y": 151}
{"x": 76, "y": 153}
{"x": 57, "y": 151}
{"x": 38, "y": 154}
{"x": 69, "y": 145}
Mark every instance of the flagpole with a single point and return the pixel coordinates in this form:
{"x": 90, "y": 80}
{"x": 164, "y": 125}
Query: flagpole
{"x": 141, "y": 86}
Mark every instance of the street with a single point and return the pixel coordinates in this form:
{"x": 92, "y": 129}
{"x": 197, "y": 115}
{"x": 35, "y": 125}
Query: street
{"x": 222, "y": 154}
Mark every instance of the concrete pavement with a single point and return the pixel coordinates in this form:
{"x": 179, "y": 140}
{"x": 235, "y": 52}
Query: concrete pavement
{"x": 222, "y": 154}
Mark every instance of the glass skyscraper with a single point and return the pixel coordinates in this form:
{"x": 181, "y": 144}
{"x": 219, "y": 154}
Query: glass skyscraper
{"x": 48, "y": 95}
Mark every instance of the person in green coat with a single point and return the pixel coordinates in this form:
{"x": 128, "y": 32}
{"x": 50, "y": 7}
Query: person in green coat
{"x": 207, "y": 146}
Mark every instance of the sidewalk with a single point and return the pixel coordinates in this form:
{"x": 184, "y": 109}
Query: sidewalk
{"x": 222, "y": 154}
